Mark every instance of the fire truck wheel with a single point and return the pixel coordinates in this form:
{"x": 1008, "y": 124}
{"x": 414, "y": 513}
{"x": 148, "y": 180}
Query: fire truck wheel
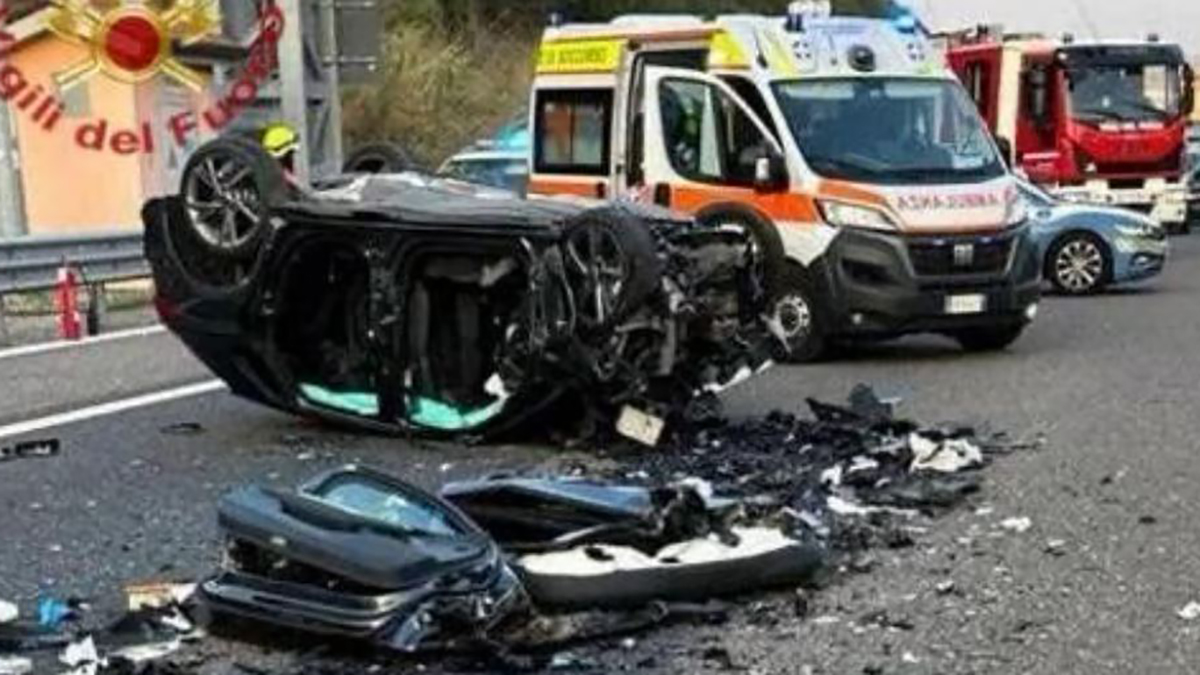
{"x": 229, "y": 186}
{"x": 1079, "y": 263}
{"x": 378, "y": 158}
{"x": 611, "y": 263}
{"x": 991, "y": 339}
{"x": 798, "y": 317}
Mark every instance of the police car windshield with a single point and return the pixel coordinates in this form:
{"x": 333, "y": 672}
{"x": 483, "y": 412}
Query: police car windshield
{"x": 889, "y": 131}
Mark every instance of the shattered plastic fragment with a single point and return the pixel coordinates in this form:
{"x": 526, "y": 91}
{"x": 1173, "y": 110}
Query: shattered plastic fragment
{"x": 39, "y": 449}
{"x": 8, "y": 612}
{"x": 1017, "y": 525}
{"x": 1190, "y": 611}
{"x": 157, "y": 595}
{"x": 640, "y": 426}
{"x": 946, "y": 456}
{"x": 15, "y": 665}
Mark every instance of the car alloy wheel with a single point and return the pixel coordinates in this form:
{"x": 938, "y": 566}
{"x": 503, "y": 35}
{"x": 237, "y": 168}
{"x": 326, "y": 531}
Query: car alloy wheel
{"x": 223, "y": 202}
{"x": 1079, "y": 266}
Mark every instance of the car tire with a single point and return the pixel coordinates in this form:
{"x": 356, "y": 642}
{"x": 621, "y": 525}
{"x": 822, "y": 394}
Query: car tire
{"x": 380, "y": 157}
{"x": 612, "y": 265}
{"x": 799, "y": 317}
{"x": 1079, "y": 263}
{"x": 990, "y": 339}
{"x": 228, "y": 188}
{"x": 770, "y": 256}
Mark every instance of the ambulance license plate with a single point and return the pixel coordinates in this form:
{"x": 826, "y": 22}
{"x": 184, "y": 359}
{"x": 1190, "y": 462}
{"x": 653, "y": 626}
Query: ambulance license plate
{"x": 957, "y": 305}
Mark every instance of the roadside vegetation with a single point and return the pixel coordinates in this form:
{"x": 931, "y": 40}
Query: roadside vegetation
{"x": 455, "y": 70}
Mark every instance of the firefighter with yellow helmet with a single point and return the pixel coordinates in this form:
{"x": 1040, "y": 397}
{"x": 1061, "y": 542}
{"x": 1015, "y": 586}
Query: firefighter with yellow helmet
{"x": 282, "y": 142}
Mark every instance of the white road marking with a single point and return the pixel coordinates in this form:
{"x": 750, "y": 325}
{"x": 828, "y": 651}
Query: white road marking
{"x": 33, "y": 350}
{"x": 110, "y": 408}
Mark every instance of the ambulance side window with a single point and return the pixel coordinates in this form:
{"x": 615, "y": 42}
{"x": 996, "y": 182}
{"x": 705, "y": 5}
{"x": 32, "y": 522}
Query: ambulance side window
{"x": 707, "y": 136}
{"x": 573, "y": 132}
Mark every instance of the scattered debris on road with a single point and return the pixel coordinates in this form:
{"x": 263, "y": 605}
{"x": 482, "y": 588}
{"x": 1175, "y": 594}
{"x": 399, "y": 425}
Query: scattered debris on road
{"x": 38, "y": 449}
{"x": 1190, "y": 611}
{"x": 183, "y": 429}
{"x": 1016, "y": 525}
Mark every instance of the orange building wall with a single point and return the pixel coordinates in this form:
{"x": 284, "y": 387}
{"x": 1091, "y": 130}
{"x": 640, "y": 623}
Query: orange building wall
{"x": 66, "y": 187}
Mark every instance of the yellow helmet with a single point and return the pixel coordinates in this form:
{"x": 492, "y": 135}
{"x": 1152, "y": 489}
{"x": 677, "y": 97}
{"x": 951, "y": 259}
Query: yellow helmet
{"x": 280, "y": 139}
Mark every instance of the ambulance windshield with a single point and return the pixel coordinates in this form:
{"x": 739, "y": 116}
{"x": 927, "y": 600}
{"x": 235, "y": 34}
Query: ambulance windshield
{"x": 889, "y": 131}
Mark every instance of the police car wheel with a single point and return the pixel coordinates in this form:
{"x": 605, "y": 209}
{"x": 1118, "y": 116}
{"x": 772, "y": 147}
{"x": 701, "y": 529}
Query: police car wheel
{"x": 229, "y": 186}
{"x": 1079, "y": 264}
{"x": 797, "y": 320}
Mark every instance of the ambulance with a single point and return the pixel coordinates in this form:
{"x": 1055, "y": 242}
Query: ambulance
{"x": 879, "y": 200}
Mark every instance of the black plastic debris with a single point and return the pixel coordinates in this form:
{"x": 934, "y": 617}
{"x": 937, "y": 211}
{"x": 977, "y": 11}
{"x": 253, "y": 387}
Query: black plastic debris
{"x": 37, "y": 449}
{"x": 852, "y": 477}
{"x": 183, "y": 429}
{"x": 554, "y": 513}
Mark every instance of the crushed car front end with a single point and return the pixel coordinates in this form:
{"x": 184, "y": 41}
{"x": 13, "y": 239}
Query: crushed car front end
{"x": 399, "y": 303}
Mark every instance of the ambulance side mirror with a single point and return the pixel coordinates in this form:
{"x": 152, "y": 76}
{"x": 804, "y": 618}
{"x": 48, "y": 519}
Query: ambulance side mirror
{"x": 1006, "y": 151}
{"x": 770, "y": 172}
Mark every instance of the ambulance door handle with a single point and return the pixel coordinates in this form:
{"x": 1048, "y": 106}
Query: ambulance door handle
{"x": 662, "y": 195}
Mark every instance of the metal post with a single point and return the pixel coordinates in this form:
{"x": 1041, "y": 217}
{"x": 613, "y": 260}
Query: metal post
{"x": 4, "y": 342}
{"x": 12, "y": 206}
{"x": 292, "y": 82}
{"x": 333, "y": 61}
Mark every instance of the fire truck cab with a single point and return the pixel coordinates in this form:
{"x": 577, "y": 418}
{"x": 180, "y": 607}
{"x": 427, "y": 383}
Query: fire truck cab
{"x": 1095, "y": 122}
{"x": 877, "y": 196}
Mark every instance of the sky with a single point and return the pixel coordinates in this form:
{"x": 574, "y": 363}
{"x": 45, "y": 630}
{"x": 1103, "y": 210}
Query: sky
{"x": 1174, "y": 20}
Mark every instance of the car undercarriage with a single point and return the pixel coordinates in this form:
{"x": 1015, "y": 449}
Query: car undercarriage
{"x": 408, "y": 304}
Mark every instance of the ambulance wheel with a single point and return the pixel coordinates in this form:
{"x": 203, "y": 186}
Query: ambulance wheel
{"x": 612, "y": 265}
{"x": 798, "y": 317}
{"x": 229, "y": 186}
{"x": 769, "y": 258}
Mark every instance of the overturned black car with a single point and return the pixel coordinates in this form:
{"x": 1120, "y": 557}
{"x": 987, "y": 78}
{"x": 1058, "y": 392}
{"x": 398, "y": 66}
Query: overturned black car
{"x": 406, "y": 304}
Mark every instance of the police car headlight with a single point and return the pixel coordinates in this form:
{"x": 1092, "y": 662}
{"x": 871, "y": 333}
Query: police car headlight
{"x": 1141, "y": 230}
{"x": 841, "y": 214}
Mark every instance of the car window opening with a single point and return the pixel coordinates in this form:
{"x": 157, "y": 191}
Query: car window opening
{"x": 462, "y": 312}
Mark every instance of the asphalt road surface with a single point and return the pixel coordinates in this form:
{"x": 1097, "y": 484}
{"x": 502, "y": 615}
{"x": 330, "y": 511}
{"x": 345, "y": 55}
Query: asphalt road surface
{"x": 1110, "y": 381}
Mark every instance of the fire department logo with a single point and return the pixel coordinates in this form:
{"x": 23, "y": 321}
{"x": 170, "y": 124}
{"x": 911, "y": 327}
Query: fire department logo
{"x": 133, "y": 41}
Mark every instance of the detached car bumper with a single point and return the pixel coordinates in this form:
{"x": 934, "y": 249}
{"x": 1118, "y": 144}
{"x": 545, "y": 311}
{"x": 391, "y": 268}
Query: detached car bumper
{"x": 886, "y": 284}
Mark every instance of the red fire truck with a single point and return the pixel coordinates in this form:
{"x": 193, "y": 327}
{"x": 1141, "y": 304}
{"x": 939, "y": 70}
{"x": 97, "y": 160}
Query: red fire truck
{"x": 1098, "y": 122}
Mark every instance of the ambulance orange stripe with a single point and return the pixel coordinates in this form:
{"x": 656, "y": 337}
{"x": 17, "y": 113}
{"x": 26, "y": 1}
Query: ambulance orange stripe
{"x": 779, "y": 206}
{"x": 840, "y": 190}
{"x": 567, "y": 186}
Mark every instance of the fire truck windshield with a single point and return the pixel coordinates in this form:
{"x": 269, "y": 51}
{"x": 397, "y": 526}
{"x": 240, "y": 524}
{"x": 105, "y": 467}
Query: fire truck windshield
{"x": 889, "y": 130}
{"x": 1125, "y": 93}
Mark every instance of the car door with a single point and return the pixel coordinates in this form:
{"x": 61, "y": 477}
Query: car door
{"x": 702, "y": 145}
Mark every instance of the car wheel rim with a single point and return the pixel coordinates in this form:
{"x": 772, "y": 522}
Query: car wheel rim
{"x": 795, "y": 318}
{"x": 1079, "y": 266}
{"x": 598, "y": 261}
{"x": 222, "y": 201}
